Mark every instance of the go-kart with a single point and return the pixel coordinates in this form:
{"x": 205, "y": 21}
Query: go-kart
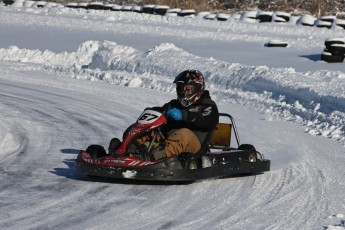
{"x": 216, "y": 158}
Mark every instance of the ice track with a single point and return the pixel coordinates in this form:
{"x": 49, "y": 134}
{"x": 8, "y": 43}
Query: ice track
{"x": 45, "y": 120}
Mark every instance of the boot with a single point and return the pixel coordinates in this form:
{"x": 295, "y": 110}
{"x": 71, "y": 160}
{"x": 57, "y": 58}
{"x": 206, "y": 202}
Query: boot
{"x": 141, "y": 150}
{"x": 157, "y": 154}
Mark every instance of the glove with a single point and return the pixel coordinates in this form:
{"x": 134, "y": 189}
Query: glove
{"x": 174, "y": 114}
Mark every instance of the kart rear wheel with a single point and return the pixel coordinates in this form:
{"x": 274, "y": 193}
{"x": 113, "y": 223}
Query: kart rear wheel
{"x": 252, "y": 155}
{"x": 96, "y": 151}
{"x": 189, "y": 162}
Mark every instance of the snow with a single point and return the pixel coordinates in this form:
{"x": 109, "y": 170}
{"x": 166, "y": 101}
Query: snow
{"x": 129, "y": 174}
{"x": 72, "y": 77}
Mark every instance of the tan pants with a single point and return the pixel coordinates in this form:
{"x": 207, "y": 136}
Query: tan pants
{"x": 182, "y": 140}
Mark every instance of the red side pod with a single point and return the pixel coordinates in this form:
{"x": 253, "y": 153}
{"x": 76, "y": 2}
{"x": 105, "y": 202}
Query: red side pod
{"x": 126, "y": 161}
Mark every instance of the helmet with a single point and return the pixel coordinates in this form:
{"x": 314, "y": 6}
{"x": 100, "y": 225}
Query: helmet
{"x": 190, "y": 85}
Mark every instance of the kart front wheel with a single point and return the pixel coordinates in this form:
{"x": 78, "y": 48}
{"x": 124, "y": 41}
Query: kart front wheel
{"x": 96, "y": 151}
{"x": 114, "y": 144}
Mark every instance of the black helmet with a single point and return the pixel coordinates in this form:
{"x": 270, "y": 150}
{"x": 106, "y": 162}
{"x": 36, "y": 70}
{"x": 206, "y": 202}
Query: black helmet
{"x": 190, "y": 85}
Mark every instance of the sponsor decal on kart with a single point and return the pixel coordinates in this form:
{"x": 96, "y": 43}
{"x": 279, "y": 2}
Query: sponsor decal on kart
{"x": 139, "y": 163}
{"x": 91, "y": 161}
{"x": 123, "y": 162}
{"x": 136, "y": 162}
{"x": 115, "y": 161}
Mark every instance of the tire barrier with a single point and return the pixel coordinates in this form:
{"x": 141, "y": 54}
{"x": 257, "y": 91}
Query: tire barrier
{"x": 252, "y": 16}
{"x": 334, "y": 51}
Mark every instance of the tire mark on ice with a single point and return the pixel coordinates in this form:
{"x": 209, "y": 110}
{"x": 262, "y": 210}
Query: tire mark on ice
{"x": 42, "y": 125}
{"x": 296, "y": 194}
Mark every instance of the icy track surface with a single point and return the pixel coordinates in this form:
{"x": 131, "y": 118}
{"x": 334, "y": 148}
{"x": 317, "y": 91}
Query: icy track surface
{"x": 55, "y": 102}
{"x": 45, "y": 119}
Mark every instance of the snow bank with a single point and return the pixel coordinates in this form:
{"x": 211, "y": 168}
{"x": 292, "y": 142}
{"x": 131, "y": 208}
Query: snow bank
{"x": 313, "y": 99}
{"x": 48, "y": 58}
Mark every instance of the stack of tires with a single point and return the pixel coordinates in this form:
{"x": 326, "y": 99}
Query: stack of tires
{"x": 334, "y": 51}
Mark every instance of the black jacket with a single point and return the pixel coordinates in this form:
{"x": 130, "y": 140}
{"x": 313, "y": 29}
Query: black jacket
{"x": 200, "y": 117}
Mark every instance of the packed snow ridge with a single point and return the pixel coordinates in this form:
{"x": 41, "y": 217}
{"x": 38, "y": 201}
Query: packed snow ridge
{"x": 314, "y": 99}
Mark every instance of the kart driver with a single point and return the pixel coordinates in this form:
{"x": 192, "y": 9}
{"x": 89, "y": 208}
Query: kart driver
{"x": 190, "y": 117}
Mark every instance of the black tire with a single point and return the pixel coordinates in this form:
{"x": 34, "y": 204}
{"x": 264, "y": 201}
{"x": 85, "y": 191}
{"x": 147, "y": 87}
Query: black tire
{"x": 337, "y": 53}
{"x": 307, "y": 24}
{"x": 189, "y": 162}
{"x": 284, "y": 16}
{"x": 160, "y": 11}
{"x": 264, "y": 18}
{"x": 338, "y": 48}
{"x": 148, "y": 9}
{"x": 332, "y": 58}
{"x": 330, "y": 42}
{"x": 276, "y": 44}
{"x": 333, "y": 52}
{"x": 96, "y": 151}
{"x": 342, "y": 25}
{"x": 8, "y": 2}
{"x": 113, "y": 144}
{"x": 252, "y": 155}
{"x": 328, "y": 26}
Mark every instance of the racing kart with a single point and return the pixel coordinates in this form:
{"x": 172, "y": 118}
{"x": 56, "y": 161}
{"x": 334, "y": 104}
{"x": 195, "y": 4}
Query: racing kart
{"x": 217, "y": 158}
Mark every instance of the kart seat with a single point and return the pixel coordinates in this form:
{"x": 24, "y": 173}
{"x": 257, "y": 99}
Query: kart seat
{"x": 216, "y": 139}
{"x": 221, "y": 136}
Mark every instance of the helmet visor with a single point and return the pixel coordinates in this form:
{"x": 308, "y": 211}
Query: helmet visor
{"x": 185, "y": 91}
